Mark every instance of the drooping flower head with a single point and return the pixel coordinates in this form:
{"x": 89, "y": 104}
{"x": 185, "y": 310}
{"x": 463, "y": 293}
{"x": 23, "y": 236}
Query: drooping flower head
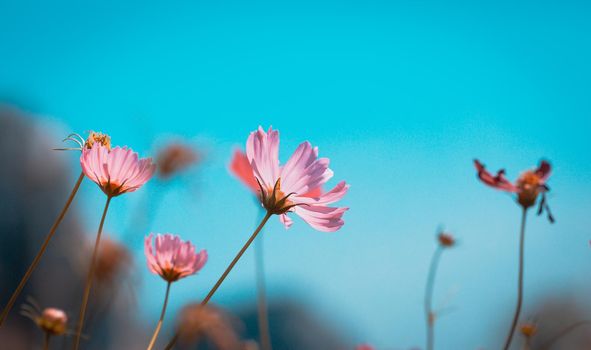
{"x": 175, "y": 158}
{"x": 116, "y": 171}
{"x": 172, "y": 258}
{"x": 294, "y": 186}
{"x": 528, "y": 186}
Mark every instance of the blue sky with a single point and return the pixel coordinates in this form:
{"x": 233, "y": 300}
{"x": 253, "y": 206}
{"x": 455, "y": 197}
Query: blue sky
{"x": 400, "y": 95}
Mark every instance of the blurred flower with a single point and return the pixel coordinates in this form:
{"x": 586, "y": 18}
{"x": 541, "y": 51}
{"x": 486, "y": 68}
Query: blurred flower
{"x": 112, "y": 260}
{"x": 117, "y": 171}
{"x": 528, "y": 329}
{"x": 174, "y": 258}
{"x": 175, "y": 158}
{"x": 51, "y": 320}
{"x": 240, "y": 167}
{"x": 364, "y": 347}
{"x": 446, "y": 240}
{"x": 206, "y": 322}
{"x": 528, "y": 186}
{"x": 283, "y": 189}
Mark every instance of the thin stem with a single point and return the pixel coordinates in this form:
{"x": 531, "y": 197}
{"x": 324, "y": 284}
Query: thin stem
{"x": 263, "y": 316}
{"x": 37, "y": 258}
{"x": 519, "y": 281}
{"x": 46, "y": 341}
{"x": 161, "y": 320}
{"x": 238, "y": 256}
{"x": 228, "y": 269}
{"x": 90, "y": 276}
{"x": 429, "y": 313}
{"x": 548, "y": 344}
{"x": 172, "y": 341}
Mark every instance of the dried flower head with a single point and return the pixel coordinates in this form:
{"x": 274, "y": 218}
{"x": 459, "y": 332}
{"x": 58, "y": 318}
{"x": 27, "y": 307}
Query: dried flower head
{"x": 528, "y": 330}
{"x": 116, "y": 171}
{"x": 113, "y": 260}
{"x": 173, "y": 258}
{"x": 175, "y": 158}
{"x": 98, "y": 137}
{"x": 530, "y": 185}
{"x": 446, "y": 240}
{"x": 199, "y": 322}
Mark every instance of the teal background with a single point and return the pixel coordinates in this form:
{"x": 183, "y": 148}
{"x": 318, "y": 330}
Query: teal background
{"x": 401, "y": 96}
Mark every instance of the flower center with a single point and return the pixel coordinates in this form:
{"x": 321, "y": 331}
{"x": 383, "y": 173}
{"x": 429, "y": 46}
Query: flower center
{"x": 530, "y": 185}
{"x": 275, "y": 200}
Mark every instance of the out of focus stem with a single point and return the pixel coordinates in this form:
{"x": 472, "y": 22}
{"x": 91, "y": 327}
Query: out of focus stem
{"x": 90, "y": 276}
{"x": 46, "y": 341}
{"x": 161, "y": 320}
{"x": 41, "y": 251}
{"x": 262, "y": 310}
{"x": 548, "y": 344}
{"x": 228, "y": 269}
{"x": 519, "y": 281}
{"x": 429, "y": 313}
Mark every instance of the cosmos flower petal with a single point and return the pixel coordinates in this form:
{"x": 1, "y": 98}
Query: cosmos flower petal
{"x": 499, "y": 181}
{"x": 322, "y": 218}
{"x": 262, "y": 150}
{"x": 544, "y": 170}
{"x": 334, "y": 195}
{"x": 240, "y": 167}
{"x": 285, "y": 220}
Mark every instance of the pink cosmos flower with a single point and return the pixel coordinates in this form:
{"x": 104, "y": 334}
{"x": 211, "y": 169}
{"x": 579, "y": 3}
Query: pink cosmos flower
{"x": 173, "y": 258}
{"x": 116, "y": 171}
{"x": 293, "y": 187}
{"x": 528, "y": 186}
{"x": 240, "y": 167}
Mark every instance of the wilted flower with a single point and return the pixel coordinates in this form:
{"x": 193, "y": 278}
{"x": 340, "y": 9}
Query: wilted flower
{"x": 174, "y": 158}
{"x": 116, "y": 171}
{"x": 446, "y": 240}
{"x": 98, "y": 137}
{"x": 113, "y": 259}
{"x": 206, "y": 322}
{"x": 283, "y": 189}
{"x": 528, "y": 186}
{"x": 173, "y": 258}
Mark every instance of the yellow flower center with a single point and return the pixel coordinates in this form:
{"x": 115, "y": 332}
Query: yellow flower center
{"x": 99, "y": 137}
